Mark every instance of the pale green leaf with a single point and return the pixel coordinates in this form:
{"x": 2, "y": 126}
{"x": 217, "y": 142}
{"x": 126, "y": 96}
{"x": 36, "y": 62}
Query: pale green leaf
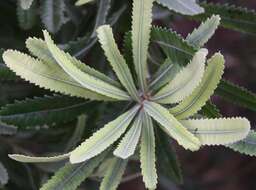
{"x": 164, "y": 74}
{"x": 83, "y": 2}
{"x": 103, "y": 138}
{"x": 193, "y": 103}
{"x": 46, "y": 75}
{"x": 186, "y": 7}
{"x": 71, "y": 176}
{"x": 172, "y": 126}
{"x": 127, "y": 146}
{"x": 247, "y": 145}
{"x": 184, "y": 82}
{"x": 147, "y": 153}
{"x": 69, "y": 65}
{"x": 114, "y": 173}
{"x": 39, "y": 49}
{"x": 3, "y": 175}
{"x": 7, "y": 129}
{"x": 25, "y": 4}
{"x": 218, "y": 131}
{"x": 27, "y": 18}
{"x": 116, "y": 60}
{"x": 53, "y": 14}
{"x": 34, "y": 159}
{"x": 204, "y": 32}
{"x": 141, "y": 25}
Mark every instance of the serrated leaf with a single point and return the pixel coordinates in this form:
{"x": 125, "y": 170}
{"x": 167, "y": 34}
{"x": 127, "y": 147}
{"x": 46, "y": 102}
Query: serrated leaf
{"x": 210, "y": 110}
{"x": 193, "y": 103}
{"x": 168, "y": 164}
{"x": 46, "y": 75}
{"x": 127, "y": 146}
{"x": 39, "y": 49}
{"x": 204, "y": 32}
{"x": 6, "y": 74}
{"x": 236, "y": 95}
{"x": 25, "y": 4}
{"x": 7, "y": 129}
{"x": 4, "y": 177}
{"x": 186, "y": 7}
{"x": 53, "y": 14}
{"x": 71, "y": 176}
{"x": 103, "y": 138}
{"x": 35, "y": 159}
{"x": 174, "y": 46}
{"x": 78, "y": 133}
{"x": 219, "y": 131}
{"x": 141, "y": 26}
{"x": 147, "y": 153}
{"x": 114, "y": 174}
{"x": 164, "y": 74}
{"x": 69, "y": 65}
{"x": 172, "y": 126}
{"x": 232, "y": 17}
{"x": 247, "y": 145}
{"x": 116, "y": 60}
{"x": 83, "y": 2}
{"x": 43, "y": 110}
{"x": 27, "y": 18}
{"x": 184, "y": 82}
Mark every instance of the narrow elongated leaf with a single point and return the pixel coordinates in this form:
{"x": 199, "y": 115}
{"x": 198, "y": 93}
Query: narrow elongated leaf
{"x": 43, "y": 110}
{"x": 69, "y": 65}
{"x": 78, "y": 133}
{"x": 46, "y": 75}
{"x": 27, "y": 18}
{"x": 127, "y": 146}
{"x": 83, "y": 2}
{"x": 25, "y": 4}
{"x": 164, "y": 74}
{"x": 116, "y": 60}
{"x": 193, "y": 103}
{"x": 237, "y": 95}
{"x": 39, "y": 48}
{"x": 141, "y": 25}
{"x": 186, "y": 7}
{"x": 71, "y": 176}
{"x": 210, "y": 110}
{"x": 7, "y": 129}
{"x": 204, "y": 32}
{"x": 172, "y": 126}
{"x": 247, "y": 145}
{"x": 184, "y": 82}
{"x": 4, "y": 177}
{"x": 33, "y": 159}
{"x": 174, "y": 46}
{"x": 6, "y": 74}
{"x": 53, "y": 14}
{"x": 232, "y": 17}
{"x": 103, "y": 138}
{"x": 219, "y": 131}
{"x": 114, "y": 174}
{"x": 102, "y": 13}
{"x": 147, "y": 153}
{"x": 168, "y": 164}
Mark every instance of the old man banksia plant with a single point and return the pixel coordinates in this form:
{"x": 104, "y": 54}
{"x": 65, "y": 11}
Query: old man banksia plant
{"x": 169, "y": 100}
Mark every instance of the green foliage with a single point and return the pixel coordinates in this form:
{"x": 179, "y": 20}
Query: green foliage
{"x": 160, "y": 86}
{"x": 235, "y": 18}
{"x": 186, "y": 7}
{"x": 43, "y": 110}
